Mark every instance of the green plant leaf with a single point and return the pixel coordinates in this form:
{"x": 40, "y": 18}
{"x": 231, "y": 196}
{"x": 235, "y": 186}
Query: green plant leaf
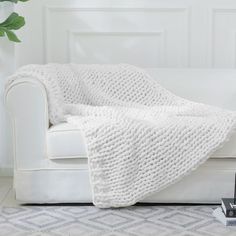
{"x": 8, "y": 1}
{"x": 9, "y": 19}
{"x": 11, "y": 36}
{"x": 2, "y": 33}
{"x": 14, "y": 1}
{"x": 13, "y": 22}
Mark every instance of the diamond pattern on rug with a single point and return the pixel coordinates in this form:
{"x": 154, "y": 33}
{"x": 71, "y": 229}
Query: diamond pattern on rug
{"x": 111, "y": 220}
{"x": 42, "y": 220}
{"x": 181, "y": 219}
{"x": 131, "y": 221}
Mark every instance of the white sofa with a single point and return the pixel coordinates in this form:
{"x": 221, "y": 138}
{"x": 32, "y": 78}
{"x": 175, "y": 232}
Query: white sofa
{"x": 50, "y": 163}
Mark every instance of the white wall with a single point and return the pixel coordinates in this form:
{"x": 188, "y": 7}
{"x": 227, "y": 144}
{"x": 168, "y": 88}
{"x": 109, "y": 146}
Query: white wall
{"x": 159, "y": 33}
{"x": 6, "y": 68}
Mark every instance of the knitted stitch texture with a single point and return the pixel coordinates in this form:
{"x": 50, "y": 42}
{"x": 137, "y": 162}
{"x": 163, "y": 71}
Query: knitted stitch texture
{"x": 140, "y": 137}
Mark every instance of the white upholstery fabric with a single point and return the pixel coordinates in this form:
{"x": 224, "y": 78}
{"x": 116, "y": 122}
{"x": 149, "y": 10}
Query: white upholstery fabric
{"x": 62, "y": 143}
{"x": 65, "y": 141}
{"x": 207, "y": 184}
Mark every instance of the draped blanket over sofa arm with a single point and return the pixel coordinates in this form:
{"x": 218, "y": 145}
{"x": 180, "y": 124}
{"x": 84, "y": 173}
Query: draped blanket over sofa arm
{"x": 143, "y": 130}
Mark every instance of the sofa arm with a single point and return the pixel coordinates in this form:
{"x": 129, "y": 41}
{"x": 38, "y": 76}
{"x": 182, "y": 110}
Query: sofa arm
{"x": 26, "y": 102}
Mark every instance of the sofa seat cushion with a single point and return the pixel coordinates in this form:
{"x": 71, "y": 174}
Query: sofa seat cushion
{"x": 66, "y": 141}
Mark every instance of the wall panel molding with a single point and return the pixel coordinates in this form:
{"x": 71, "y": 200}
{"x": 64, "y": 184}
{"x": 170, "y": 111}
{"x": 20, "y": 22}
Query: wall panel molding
{"x": 100, "y": 47}
{"x": 196, "y": 33}
{"x": 167, "y": 16}
{"x": 223, "y": 37}
{"x": 113, "y": 9}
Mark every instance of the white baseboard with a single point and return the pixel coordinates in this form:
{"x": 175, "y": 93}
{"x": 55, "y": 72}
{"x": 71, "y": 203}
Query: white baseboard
{"x": 6, "y": 172}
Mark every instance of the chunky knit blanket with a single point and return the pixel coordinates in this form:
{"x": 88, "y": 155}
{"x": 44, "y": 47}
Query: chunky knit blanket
{"x": 140, "y": 137}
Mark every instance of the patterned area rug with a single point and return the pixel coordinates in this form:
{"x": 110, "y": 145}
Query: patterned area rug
{"x": 133, "y": 221}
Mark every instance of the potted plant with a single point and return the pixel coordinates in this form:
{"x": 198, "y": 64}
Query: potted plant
{"x": 12, "y": 23}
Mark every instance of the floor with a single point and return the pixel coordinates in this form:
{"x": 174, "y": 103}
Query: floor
{"x": 6, "y": 192}
{"x": 79, "y": 220}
